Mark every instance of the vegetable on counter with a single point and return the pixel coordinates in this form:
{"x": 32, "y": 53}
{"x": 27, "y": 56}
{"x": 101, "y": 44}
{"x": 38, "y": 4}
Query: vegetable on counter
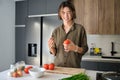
{"x": 80, "y": 76}
{"x": 50, "y": 66}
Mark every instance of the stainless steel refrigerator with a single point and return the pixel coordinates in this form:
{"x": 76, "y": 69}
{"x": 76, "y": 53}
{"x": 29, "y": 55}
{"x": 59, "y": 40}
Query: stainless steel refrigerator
{"x": 38, "y": 31}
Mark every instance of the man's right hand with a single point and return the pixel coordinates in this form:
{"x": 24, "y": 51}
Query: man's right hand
{"x": 51, "y": 45}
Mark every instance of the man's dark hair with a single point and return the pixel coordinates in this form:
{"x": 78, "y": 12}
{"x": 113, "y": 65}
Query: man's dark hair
{"x": 70, "y": 6}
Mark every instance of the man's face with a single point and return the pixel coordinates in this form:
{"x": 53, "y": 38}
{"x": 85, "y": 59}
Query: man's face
{"x": 66, "y": 14}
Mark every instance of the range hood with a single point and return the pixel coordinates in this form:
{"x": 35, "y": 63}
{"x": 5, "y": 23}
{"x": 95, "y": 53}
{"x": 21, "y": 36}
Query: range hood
{"x": 42, "y": 15}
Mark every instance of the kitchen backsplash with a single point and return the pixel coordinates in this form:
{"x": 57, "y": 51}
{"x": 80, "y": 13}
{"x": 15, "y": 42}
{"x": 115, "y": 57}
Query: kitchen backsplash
{"x": 104, "y": 42}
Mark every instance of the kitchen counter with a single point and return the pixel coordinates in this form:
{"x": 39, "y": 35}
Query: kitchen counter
{"x": 98, "y": 59}
{"x": 47, "y": 76}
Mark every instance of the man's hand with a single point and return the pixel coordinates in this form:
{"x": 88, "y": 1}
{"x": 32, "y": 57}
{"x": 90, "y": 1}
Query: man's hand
{"x": 69, "y": 45}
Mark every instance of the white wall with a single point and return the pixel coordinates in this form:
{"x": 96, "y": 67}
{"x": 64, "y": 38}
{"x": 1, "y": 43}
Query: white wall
{"x": 7, "y": 33}
{"x": 104, "y": 42}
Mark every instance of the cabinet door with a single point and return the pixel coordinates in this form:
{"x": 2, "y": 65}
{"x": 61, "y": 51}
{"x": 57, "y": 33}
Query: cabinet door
{"x": 90, "y": 65}
{"x": 20, "y": 44}
{"x": 91, "y": 16}
{"x": 108, "y": 66}
{"x": 106, "y": 17}
{"x": 79, "y": 6}
{"x": 87, "y": 14}
{"x": 100, "y": 66}
{"x": 117, "y": 16}
{"x": 36, "y": 7}
{"x": 21, "y": 12}
{"x": 52, "y": 6}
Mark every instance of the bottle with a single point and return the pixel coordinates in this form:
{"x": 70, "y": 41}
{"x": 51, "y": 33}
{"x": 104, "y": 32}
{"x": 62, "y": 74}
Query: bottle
{"x": 92, "y": 49}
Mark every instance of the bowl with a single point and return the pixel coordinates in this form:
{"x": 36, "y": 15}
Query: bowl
{"x": 37, "y": 72}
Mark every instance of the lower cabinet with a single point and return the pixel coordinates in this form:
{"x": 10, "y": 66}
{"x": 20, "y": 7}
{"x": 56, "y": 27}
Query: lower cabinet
{"x": 109, "y": 66}
{"x": 89, "y": 65}
{"x": 101, "y": 66}
{"x": 19, "y": 44}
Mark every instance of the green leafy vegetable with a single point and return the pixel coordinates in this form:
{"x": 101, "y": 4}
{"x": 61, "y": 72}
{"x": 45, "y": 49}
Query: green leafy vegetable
{"x": 80, "y": 76}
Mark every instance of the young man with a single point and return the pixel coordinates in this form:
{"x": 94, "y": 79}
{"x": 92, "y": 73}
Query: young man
{"x": 68, "y": 55}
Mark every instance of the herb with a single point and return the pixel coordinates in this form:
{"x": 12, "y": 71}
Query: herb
{"x": 80, "y": 76}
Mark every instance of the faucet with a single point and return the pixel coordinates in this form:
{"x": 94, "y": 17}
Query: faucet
{"x": 112, "y": 51}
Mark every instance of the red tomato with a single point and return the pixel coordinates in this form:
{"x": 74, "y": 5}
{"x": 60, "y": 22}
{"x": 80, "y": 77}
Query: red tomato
{"x": 67, "y": 41}
{"x": 26, "y": 70}
{"x": 46, "y": 66}
{"x": 51, "y": 66}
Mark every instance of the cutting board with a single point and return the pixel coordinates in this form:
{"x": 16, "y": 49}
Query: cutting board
{"x": 64, "y": 70}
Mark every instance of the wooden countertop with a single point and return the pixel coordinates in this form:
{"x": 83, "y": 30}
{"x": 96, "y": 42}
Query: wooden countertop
{"x": 64, "y": 70}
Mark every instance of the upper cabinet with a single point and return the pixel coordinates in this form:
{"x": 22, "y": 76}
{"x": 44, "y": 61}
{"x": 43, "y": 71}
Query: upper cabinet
{"x": 98, "y": 16}
{"x": 106, "y": 18}
{"x": 53, "y": 5}
{"x": 87, "y": 14}
{"x": 36, "y": 7}
{"x": 39, "y": 7}
{"x": 117, "y": 16}
{"x": 21, "y": 12}
{"x": 91, "y": 16}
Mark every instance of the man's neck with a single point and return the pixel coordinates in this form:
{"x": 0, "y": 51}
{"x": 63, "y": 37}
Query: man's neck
{"x": 68, "y": 24}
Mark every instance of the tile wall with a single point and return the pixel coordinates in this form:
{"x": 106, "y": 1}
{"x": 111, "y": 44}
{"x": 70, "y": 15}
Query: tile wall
{"x": 104, "y": 42}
